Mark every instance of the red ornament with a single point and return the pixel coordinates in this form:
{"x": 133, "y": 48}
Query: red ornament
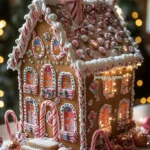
{"x": 140, "y": 139}
{"x": 146, "y": 123}
{"x": 1, "y": 141}
{"x": 117, "y": 147}
{"x": 126, "y": 142}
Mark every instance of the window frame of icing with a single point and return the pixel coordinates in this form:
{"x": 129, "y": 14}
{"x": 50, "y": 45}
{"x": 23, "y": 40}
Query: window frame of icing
{"x": 106, "y": 94}
{"x": 70, "y": 92}
{"x": 125, "y": 84}
{"x": 33, "y": 88}
{"x": 52, "y": 89}
{"x": 109, "y": 127}
{"x": 28, "y": 126}
{"x": 63, "y": 133}
{"x": 61, "y": 54}
{"x": 38, "y": 56}
{"x": 127, "y": 101}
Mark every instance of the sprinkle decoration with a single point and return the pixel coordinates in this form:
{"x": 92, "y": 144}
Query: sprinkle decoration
{"x": 12, "y": 113}
{"x": 54, "y": 119}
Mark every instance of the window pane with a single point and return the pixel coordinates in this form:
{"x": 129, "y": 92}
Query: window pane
{"x": 48, "y": 79}
{"x": 66, "y": 82}
{"x": 30, "y": 77}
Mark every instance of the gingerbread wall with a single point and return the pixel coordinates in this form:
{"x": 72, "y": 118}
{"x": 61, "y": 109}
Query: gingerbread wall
{"x": 114, "y": 102}
{"x": 59, "y": 66}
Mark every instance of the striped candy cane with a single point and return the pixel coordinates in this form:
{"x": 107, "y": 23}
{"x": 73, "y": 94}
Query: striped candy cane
{"x": 11, "y": 137}
{"x": 54, "y": 119}
{"x": 95, "y": 136}
{"x": 74, "y": 7}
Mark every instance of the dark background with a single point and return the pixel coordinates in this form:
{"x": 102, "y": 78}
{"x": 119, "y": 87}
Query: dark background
{"x": 13, "y": 11}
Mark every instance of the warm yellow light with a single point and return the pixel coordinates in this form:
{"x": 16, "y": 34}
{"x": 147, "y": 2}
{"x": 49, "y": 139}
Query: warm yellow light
{"x": 139, "y": 83}
{"x": 143, "y": 100}
{"x": 1, "y": 104}
{"x": 3, "y": 23}
{"x": 1, "y": 32}
{"x": 119, "y": 11}
{"x": 135, "y": 15}
{"x": 148, "y": 99}
{"x": 1, "y": 93}
{"x": 1, "y": 59}
{"x": 138, "y": 22}
{"x": 138, "y": 39}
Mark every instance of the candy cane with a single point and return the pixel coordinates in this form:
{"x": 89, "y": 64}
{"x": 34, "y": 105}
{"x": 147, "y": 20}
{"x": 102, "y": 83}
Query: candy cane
{"x": 98, "y": 132}
{"x": 54, "y": 118}
{"x": 74, "y": 7}
{"x": 7, "y": 122}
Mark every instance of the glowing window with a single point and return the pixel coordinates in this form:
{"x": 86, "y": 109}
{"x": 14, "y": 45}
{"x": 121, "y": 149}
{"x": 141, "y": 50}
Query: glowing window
{"x": 48, "y": 78}
{"x": 30, "y": 77}
{"x": 66, "y": 82}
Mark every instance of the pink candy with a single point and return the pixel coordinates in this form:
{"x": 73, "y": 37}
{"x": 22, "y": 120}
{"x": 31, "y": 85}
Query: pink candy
{"x": 101, "y": 41}
{"x": 102, "y": 50}
{"x": 75, "y": 43}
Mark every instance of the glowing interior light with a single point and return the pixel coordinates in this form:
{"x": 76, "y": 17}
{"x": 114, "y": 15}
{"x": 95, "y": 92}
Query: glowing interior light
{"x": 135, "y": 15}
{"x": 1, "y": 104}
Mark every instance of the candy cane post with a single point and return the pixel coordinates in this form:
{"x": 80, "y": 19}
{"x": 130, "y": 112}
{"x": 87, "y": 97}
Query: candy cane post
{"x": 74, "y": 7}
{"x": 95, "y": 136}
{"x": 54, "y": 119}
{"x": 10, "y": 112}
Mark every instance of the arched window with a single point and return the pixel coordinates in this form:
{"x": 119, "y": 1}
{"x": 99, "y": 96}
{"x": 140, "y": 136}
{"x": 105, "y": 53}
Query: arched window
{"x": 109, "y": 90}
{"x": 105, "y": 116}
{"x": 68, "y": 123}
{"x": 30, "y": 85}
{"x": 123, "y": 109}
{"x": 31, "y": 115}
{"x": 37, "y": 46}
{"x": 48, "y": 81}
{"x": 66, "y": 85}
{"x": 56, "y": 49}
{"x": 125, "y": 83}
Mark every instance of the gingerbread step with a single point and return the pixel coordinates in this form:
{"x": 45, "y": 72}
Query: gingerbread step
{"x": 43, "y": 143}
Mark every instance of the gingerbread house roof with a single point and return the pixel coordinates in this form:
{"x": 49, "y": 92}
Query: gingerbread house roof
{"x": 92, "y": 34}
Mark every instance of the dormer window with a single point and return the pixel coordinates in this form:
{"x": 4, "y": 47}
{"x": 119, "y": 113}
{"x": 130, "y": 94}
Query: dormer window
{"x": 105, "y": 117}
{"x": 66, "y": 85}
{"x": 48, "y": 81}
{"x": 56, "y": 49}
{"x": 30, "y": 81}
{"x": 125, "y": 83}
{"x": 123, "y": 109}
{"x": 31, "y": 115}
{"x": 68, "y": 130}
{"x": 37, "y": 46}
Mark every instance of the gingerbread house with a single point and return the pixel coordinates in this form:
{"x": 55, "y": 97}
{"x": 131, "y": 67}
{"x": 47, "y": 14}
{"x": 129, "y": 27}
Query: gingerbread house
{"x": 75, "y": 61}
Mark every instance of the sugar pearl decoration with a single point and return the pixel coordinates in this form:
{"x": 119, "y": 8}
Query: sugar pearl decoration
{"x": 108, "y": 14}
{"x": 102, "y": 50}
{"x": 100, "y": 41}
{"x": 131, "y": 49}
{"x": 85, "y": 22}
{"x": 84, "y": 38}
{"x": 100, "y": 32}
{"x": 111, "y": 29}
{"x": 135, "y": 45}
{"x": 90, "y": 102}
{"x": 75, "y": 43}
{"x": 101, "y": 24}
{"x": 80, "y": 53}
{"x": 91, "y": 27}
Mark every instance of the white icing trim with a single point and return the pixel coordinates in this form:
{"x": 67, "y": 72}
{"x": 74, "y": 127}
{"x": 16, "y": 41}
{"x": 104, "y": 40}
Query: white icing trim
{"x": 68, "y": 136}
{"x": 127, "y": 101}
{"x": 48, "y": 92}
{"x": 66, "y": 93}
{"x": 30, "y": 89}
{"x": 132, "y": 93}
{"x": 27, "y": 126}
{"x": 60, "y": 55}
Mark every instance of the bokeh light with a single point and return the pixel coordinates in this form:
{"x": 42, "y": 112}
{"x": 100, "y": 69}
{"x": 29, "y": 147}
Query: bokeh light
{"x": 138, "y": 39}
{"x": 1, "y": 32}
{"x": 139, "y": 83}
{"x": 138, "y": 22}
{"x": 3, "y": 23}
{"x": 1, "y": 93}
{"x": 135, "y": 15}
{"x": 143, "y": 100}
{"x": 148, "y": 99}
{"x": 1, "y": 104}
{"x": 1, "y": 59}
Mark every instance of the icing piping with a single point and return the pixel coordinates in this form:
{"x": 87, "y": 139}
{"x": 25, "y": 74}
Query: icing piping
{"x": 48, "y": 92}
{"x": 67, "y": 135}
{"x": 34, "y": 125}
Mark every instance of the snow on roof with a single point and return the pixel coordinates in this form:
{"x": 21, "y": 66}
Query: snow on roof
{"x": 101, "y": 41}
